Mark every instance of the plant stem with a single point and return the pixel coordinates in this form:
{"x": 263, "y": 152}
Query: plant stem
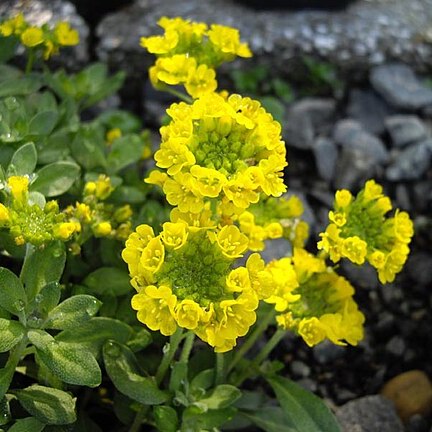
{"x": 14, "y": 358}
{"x": 180, "y": 95}
{"x": 262, "y": 355}
{"x": 30, "y": 61}
{"x": 187, "y": 347}
{"x": 220, "y": 368}
{"x": 169, "y": 352}
{"x": 250, "y": 341}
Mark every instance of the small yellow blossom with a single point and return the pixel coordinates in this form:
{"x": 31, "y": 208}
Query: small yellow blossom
{"x": 102, "y": 229}
{"x": 4, "y": 214}
{"x": 66, "y": 35}
{"x": 32, "y": 37}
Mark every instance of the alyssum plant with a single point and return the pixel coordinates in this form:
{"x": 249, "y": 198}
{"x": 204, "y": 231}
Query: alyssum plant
{"x": 68, "y": 316}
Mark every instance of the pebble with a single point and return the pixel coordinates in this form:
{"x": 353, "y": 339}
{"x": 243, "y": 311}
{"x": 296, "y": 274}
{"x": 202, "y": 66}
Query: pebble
{"x": 405, "y": 129}
{"x": 350, "y": 134}
{"x": 396, "y": 346}
{"x": 411, "y": 392}
{"x": 326, "y": 155}
{"x": 326, "y": 352}
{"x": 400, "y": 87}
{"x": 419, "y": 268}
{"x": 412, "y": 162}
{"x": 369, "y": 414}
{"x": 300, "y": 369}
{"x": 369, "y": 109}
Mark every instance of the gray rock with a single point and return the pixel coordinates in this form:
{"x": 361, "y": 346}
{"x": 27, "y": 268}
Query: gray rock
{"x": 369, "y": 414}
{"x": 400, "y": 87}
{"x": 306, "y": 119}
{"x": 365, "y": 34}
{"x": 412, "y": 162}
{"x": 364, "y": 276}
{"x": 353, "y": 168}
{"x": 326, "y": 155}
{"x": 422, "y": 194}
{"x": 396, "y": 346}
{"x": 403, "y": 198}
{"x": 276, "y": 249}
{"x": 39, "y": 12}
{"x": 368, "y": 109}
{"x": 326, "y": 352}
{"x": 300, "y": 369}
{"x": 405, "y": 129}
{"x": 418, "y": 266}
{"x": 351, "y": 135}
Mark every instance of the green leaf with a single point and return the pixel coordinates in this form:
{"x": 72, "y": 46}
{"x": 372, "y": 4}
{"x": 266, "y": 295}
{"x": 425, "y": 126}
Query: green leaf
{"x": 49, "y": 405}
{"x": 269, "y": 419}
{"x": 11, "y": 332}
{"x": 203, "y": 381}
{"x": 7, "y": 48}
{"x": 141, "y": 339}
{"x": 72, "y": 312}
{"x": 304, "y": 411}
{"x": 70, "y": 362}
{"x": 56, "y": 178}
{"x": 43, "y": 123}
{"x": 47, "y": 299}
{"x": 29, "y": 424}
{"x": 95, "y": 332}
{"x": 222, "y": 396}
{"x": 195, "y": 420}
{"x": 108, "y": 281}
{"x": 166, "y": 418}
{"x": 12, "y": 295}
{"x": 122, "y": 367}
{"x": 42, "y": 266}
{"x": 23, "y": 160}
{"x": 124, "y": 151}
{"x": 20, "y": 87}
{"x": 6, "y": 375}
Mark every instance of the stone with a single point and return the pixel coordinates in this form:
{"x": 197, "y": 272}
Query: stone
{"x": 353, "y": 168}
{"x": 306, "y": 119}
{"x": 365, "y": 34}
{"x": 327, "y": 352}
{"x": 418, "y": 267}
{"x": 326, "y": 155}
{"x": 350, "y": 134}
{"x": 369, "y": 414}
{"x": 422, "y": 194}
{"x": 405, "y": 129}
{"x": 300, "y": 369}
{"x": 411, "y": 392}
{"x": 365, "y": 276}
{"x": 396, "y": 346}
{"x": 39, "y": 12}
{"x": 368, "y": 109}
{"x": 412, "y": 162}
{"x": 400, "y": 87}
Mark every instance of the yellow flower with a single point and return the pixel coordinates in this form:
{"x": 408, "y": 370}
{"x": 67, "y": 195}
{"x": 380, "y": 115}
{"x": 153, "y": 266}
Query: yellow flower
{"x": 354, "y": 249}
{"x": 65, "y": 230}
{"x": 312, "y": 331}
{"x": 32, "y": 36}
{"x": 180, "y": 192}
{"x": 343, "y": 198}
{"x": 19, "y": 187}
{"x": 4, "y": 214}
{"x": 337, "y": 218}
{"x": 227, "y": 39}
{"x": 200, "y": 80}
{"x": 155, "y": 306}
{"x": 160, "y": 44}
{"x": 184, "y": 277}
{"x": 66, "y": 35}
{"x": 209, "y": 182}
{"x": 231, "y": 241}
{"x": 113, "y": 134}
{"x": 174, "y": 234}
{"x": 15, "y": 25}
{"x": 102, "y": 229}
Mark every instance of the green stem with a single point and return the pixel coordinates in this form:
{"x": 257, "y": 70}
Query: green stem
{"x": 30, "y": 61}
{"x": 262, "y": 355}
{"x": 14, "y": 358}
{"x": 169, "y": 352}
{"x": 180, "y": 95}
{"x": 220, "y": 369}
{"x": 252, "y": 338}
{"x": 187, "y": 347}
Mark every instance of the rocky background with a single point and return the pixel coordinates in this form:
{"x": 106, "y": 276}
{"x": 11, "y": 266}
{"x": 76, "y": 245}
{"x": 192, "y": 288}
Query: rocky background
{"x": 369, "y": 114}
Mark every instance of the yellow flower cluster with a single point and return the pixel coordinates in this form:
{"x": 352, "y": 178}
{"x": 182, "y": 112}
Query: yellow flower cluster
{"x": 28, "y": 222}
{"x": 360, "y": 231}
{"x": 185, "y": 277}
{"x": 273, "y": 218}
{"x": 97, "y": 217}
{"x": 230, "y": 149}
{"x": 47, "y": 39}
{"x": 188, "y": 52}
{"x": 313, "y": 301}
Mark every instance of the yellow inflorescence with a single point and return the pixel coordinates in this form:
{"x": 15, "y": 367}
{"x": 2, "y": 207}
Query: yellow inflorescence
{"x": 314, "y": 301}
{"x": 230, "y": 149}
{"x": 361, "y": 231}
{"x": 188, "y": 53}
{"x": 184, "y": 277}
{"x": 48, "y": 39}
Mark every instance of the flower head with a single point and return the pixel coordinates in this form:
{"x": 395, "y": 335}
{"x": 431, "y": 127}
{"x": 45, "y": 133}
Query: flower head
{"x": 360, "y": 230}
{"x": 185, "y": 277}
